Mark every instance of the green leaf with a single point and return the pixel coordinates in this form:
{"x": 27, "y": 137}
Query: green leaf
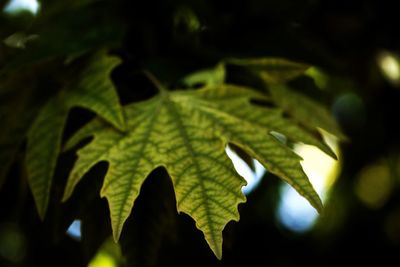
{"x": 311, "y": 114}
{"x": 244, "y": 156}
{"x": 64, "y": 29}
{"x": 304, "y": 110}
{"x": 211, "y": 76}
{"x": 153, "y": 222}
{"x": 187, "y": 132}
{"x": 272, "y": 70}
{"x": 94, "y": 91}
{"x": 273, "y": 118}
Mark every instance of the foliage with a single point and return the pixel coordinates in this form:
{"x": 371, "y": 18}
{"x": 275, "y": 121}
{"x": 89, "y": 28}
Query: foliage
{"x": 93, "y": 91}
{"x": 187, "y": 132}
{"x": 184, "y": 127}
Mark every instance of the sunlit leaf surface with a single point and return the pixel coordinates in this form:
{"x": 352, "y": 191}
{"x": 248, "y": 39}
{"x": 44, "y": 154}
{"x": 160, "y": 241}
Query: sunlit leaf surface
{"x": 93, "y": 91}
{"x": 187, "y": 132}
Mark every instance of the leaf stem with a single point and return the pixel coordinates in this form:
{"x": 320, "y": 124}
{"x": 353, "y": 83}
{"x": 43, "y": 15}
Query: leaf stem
{"x": 155, "y": 81}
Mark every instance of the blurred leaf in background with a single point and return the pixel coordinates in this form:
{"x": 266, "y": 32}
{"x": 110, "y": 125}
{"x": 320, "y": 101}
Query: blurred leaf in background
{"x": 349, "y": 70}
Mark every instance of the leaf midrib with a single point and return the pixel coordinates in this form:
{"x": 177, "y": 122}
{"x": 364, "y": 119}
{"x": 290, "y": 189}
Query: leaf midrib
{"x": 144, "y": 144}
{"x": 181, "y": 128}
{"x": 209, "y": 110}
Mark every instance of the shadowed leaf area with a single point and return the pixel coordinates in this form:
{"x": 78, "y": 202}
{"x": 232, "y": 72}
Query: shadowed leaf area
{"x": 95, "y": 92}
{"x": 199, "y": 133}
{"x": 187, "y": 132}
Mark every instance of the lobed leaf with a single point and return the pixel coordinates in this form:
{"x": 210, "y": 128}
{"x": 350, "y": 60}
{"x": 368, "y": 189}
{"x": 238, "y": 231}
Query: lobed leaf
{"x": 304, "y": 110}
{"x": 272, "y": 118}
{"x": 95, "y": 91}
{"x": 187, "y": 132}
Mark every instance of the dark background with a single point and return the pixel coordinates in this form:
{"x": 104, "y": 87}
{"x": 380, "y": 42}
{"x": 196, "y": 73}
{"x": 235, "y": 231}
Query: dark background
{"x": 342, "y": 37}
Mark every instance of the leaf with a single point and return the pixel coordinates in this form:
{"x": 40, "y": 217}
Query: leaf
{"x": 94, "y": 91}
{"x": 272, "y": 70}
{"x": 304, "y": 110}
{"x": 187, "y": 132}
{"x": 211, "y": 76}
{"x": 244, "y": 156}
{"x": 274, "y": 119}
{"x": 66, "y": 28}
{"x": 153, "y": 222}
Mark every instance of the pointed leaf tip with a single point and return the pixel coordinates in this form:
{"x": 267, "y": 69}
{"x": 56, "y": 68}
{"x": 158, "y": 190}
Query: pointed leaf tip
{"x": 186, "y": 132}
{"x": 94, "y": 91}
{"x": 310, "y": 113}
{"x": 43, "y": 146}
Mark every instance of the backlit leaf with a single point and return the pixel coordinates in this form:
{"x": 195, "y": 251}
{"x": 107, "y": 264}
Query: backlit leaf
{"x": 211, "y": 76}
{"x": 272, "y": 70}
{"x": 187, "y": 132}
{"x": 304, "y": 110}
{"x": 93, "y": 91}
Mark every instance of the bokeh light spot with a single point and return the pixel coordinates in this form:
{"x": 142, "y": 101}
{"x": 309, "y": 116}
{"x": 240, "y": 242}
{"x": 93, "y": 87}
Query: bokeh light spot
{"x": 253, "y": 178}
{"x": 17, "y": 6}
{"x": 294, "y": 212}
{"x": 74, "y": 230}
{"x": 349, "y": 109}
{"x": 12, "y": 243}
{"x": 374, "y": 185}
{"x": 109, "y": 255}
{"x": 103, "y": 260}
{"x": 390, "y": 66}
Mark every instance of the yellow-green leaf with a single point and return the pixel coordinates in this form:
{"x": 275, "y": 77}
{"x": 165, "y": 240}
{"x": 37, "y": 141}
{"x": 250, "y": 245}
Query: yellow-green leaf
{"x": 275, "y": 72}
{"x": 187, "y": 132}
{"x": 93, "y": 91}
{"x": 272, "y": 118}
{"x": 211, "y": 76}
{"x": 272, "y": 70}
{"x": 304, "y": 110}
{"x": 44, "y": 141}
